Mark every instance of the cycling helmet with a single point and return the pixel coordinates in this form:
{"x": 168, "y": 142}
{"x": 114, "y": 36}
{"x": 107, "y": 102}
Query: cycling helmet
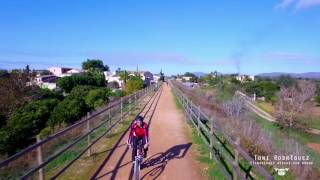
{"x": 139, "y": 118}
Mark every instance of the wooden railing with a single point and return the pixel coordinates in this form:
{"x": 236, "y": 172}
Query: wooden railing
{"x": 231, "y": 158}
{"x": 31, "y": 162}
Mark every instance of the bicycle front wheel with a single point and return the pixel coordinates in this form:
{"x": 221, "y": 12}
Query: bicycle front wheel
{"x": 136, "y": 169}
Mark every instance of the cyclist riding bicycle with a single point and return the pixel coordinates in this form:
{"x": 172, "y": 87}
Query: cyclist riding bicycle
{"x": 138, "y": 132}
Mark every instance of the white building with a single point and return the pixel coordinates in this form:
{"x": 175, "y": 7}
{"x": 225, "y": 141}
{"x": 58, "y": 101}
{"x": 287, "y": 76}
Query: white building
{"x": 186, "y": 78}
{"x": 156, "y": 78}
{"x": 62, "y": 72}
{"x": 244, "y": 78}
{"x": 113, "y": 77}
{"x": 46, "y": 81}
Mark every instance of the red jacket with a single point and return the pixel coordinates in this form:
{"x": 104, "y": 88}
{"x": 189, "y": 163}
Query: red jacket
{"x": 140, "y": 132}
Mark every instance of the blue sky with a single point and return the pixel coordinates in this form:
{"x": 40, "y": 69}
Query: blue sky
{"x": 229, "y": 36}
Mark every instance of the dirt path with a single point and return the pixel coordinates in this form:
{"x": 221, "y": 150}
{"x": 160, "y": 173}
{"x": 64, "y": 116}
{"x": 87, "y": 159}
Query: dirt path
{"x": 169, "y": 155}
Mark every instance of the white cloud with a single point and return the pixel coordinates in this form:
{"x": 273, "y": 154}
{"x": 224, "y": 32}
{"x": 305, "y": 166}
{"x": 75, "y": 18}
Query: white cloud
{"x": 297, "y": 4}
{"x": 307, "y": 3}
{"x": 284, "y": 4}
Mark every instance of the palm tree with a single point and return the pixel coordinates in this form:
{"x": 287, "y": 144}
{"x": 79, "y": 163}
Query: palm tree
{"x": 124, "y": 76}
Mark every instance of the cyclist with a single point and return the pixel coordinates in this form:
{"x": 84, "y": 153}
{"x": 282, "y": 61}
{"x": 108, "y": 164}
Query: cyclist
{"x": 138, "y": 132}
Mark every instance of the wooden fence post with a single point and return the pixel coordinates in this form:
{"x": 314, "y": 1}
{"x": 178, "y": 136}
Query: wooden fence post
{"x": 135, "y": 99}
{"x": 121, "y": 108}
{"x": 40, "y": 159}
{"x": 199, "y": 120}
{"x": 186, "y": 104}
{"x": 109, "y": 118}
{"x": 236, "y": 158}
{"x": 88, "y": 129}
{"x": 211, "y": 138}
{"x": 129, "y": 103}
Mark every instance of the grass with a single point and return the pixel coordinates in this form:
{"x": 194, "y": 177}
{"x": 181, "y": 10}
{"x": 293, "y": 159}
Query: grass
{"x": 211, "y": 169}
{"x": 86, "y": 166}
{"x": 279, "y": 134}
{"x": 268, "y": 107}
{"x": 315, "y": 123}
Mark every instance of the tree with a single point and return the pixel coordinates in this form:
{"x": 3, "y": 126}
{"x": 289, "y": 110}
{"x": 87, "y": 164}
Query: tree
{"x": 133, "y": 84}
{"x": 161, "y": 76}
{"x": 118, "y": 70}
{"x": 265, "y": 89}
{"x": 15, "y": 93}
{"x": 68, "y": 111}
{"x": 291, "y": 110}
{"x": 48, "y": 94}
{"x": 194, "y": 78}
{"x": 80, "y": 91}
{"x": 94, "y": 64}
{"x": 4, "y": 73}
{"x": 285, "y": 81}
{"x": 27, "y": 70}
{"x": 235, "y": 108}
{"x": 97, "y": 97}
{"x": 124, "y": 76}
{"x": 69, "y": 82}
{"x": 235, "y": 81}
{"x": 24, "y": 123}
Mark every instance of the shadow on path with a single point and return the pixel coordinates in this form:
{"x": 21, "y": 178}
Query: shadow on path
{"x": 118, "y": 165}
{"x": 159, "y": 161}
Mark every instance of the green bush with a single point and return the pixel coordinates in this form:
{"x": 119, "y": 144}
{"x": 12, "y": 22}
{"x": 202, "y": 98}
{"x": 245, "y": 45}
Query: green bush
{"x": 117, "y": 93}
{"x": 80, "y": 100}
{"x": 80, "y": 91}
{"x": 97, "y": 97}
{"x": 69, "y": 82}
{"x": 134, "y": 84}
{"x": 68, "y": 111}
{"x": 49, "y": 94}
{"x": 24, "y": 123}
{"x": 265, "y": 89}
{"x": 317, "y": 99}
{"x": 94, "y": 64}
{"x": 3, "y": 120}
{"x": 286, "y": 81}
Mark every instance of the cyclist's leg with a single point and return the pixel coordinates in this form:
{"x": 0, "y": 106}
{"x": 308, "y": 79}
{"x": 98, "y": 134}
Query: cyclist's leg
{"x": 134, "y": 147}
{"x": 145, "y": 150}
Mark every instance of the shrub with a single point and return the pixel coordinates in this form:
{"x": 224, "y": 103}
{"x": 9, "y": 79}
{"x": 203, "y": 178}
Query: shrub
{"x": 292, "y": 110}
{"x": 97, "y": 97}
{"x": 117, "y": 93}
{"x": 94, "y": 64}
{"x": 68, "y": 83}
{"x": 24, "y": 123}
{"x": 134, "y": 84}
{"x": 68, "y": 111}
{"x": 317, "y": 99}
{"x": 265, "y": 89}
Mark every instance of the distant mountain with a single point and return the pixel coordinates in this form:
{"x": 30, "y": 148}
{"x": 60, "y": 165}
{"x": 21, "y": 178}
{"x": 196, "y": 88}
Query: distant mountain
{"x": 200, "y": 74}
{"x": 310, "y": 75}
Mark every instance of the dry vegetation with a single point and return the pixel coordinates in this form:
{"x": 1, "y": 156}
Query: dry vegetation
{"x": 292, "y": 110}
{"x": 234, "y": 119}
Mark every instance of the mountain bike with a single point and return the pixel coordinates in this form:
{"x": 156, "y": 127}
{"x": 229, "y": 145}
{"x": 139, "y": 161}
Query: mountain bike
{"x": 138, "y": 160}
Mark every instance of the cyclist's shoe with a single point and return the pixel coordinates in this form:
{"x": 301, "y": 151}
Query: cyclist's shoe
{"x": 145, "y": 154}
